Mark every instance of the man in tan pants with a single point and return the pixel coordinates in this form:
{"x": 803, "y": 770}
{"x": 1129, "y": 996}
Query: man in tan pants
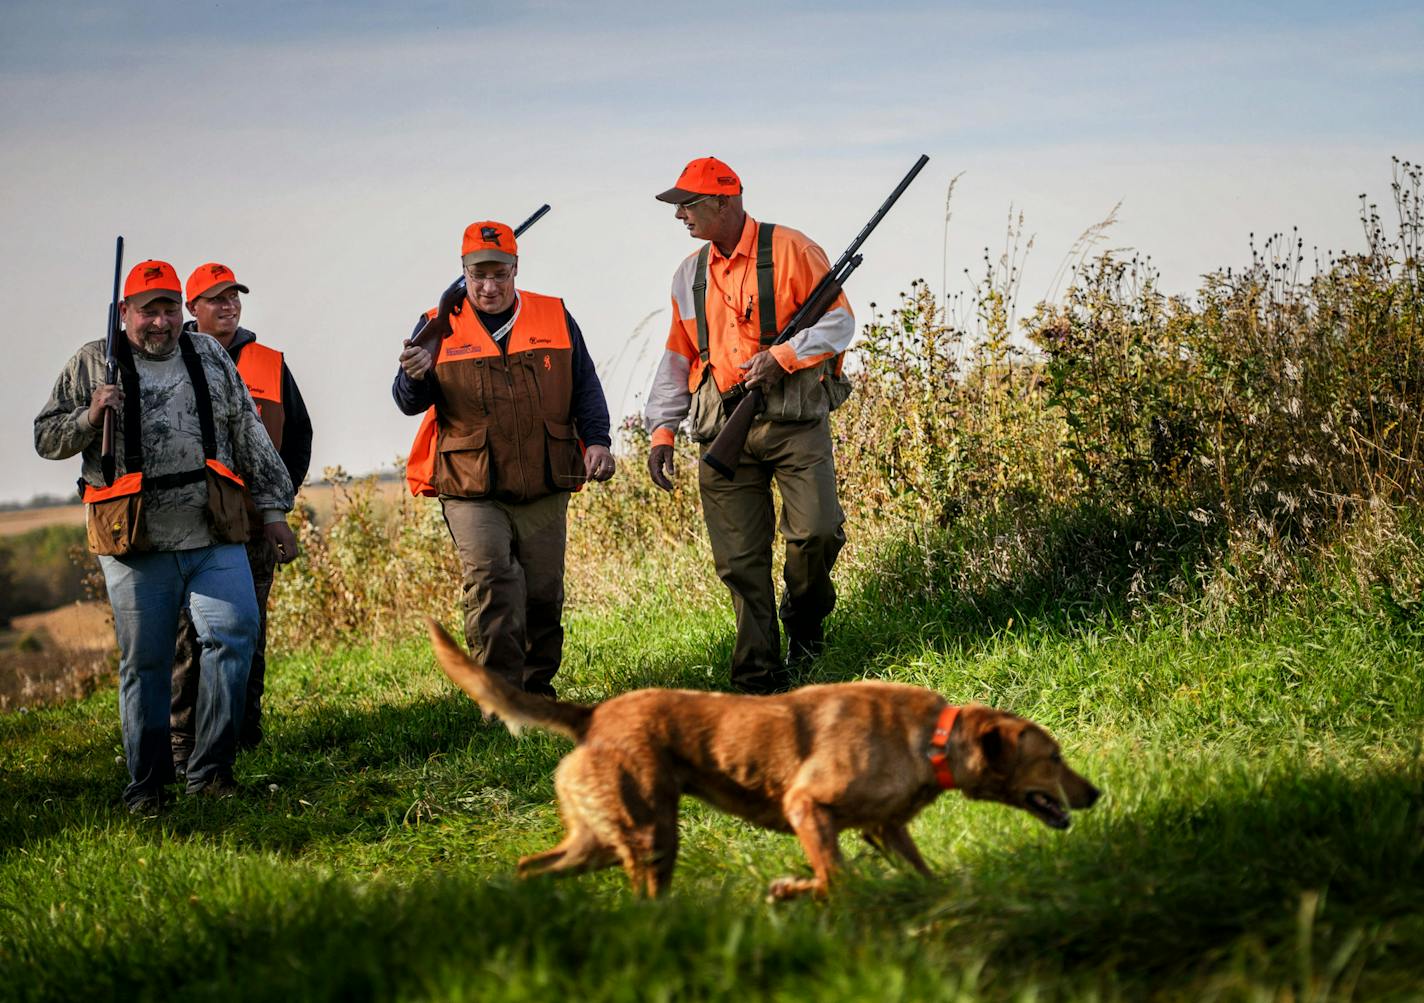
{"x": 510, "y": 394}
{"x": 729, "y": 300}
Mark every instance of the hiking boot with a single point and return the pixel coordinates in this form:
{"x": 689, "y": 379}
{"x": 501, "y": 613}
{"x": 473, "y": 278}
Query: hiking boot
{"x": 541, "y": 688}
{"x": 761, "y": 682}
{"x": 803, "y": 649}
{"x": 219, "y": 788}
{"x": 146, "y": 805}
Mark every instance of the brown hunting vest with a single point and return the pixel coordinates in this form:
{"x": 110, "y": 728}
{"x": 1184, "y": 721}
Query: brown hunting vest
{"x": 503, "y": 424}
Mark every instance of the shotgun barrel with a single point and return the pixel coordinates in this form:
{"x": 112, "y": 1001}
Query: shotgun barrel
{"x": 111, "y": 369}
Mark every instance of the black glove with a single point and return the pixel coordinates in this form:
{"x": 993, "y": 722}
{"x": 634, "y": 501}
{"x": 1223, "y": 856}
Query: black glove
{"x": 660, "y": 466}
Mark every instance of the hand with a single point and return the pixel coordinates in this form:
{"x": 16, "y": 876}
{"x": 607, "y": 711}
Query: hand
{"x": 660, "y": 466}
{"x": 415, "y": 361}
{"x": 598, "y": 463}
{"x": 283, "y": 541}
{"x": 108, "y": 395}
{"x": 763, "y": 371}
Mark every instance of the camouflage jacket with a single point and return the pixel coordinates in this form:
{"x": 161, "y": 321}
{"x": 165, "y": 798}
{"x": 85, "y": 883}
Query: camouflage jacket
{"x": 172, "y": 439}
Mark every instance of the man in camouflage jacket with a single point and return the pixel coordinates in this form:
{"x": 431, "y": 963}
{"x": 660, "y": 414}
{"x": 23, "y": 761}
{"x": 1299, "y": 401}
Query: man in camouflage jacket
{"x": 180, "y": 561}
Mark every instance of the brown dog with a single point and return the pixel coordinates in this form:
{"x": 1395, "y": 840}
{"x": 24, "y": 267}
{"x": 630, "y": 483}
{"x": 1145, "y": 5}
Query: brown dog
{"x": 866, "y": 755}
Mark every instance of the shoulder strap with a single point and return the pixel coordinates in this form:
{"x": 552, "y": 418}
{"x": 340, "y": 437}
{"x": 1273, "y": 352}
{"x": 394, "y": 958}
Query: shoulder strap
{"x": 699, "y": 301}
{"x": 133, "y": 428}
{"x": 202, "y": 395}
{"x": 766, "y": 284}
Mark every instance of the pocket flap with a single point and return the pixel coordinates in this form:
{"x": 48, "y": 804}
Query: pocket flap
{"x": 128, "y": 484}
{"x": 222, "y": 471}
{"x": 557, "y": 430}
{"x": 456, "y": 443}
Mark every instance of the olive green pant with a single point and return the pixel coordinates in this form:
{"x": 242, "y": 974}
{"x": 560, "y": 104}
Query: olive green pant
{"x": 741, "y": 525}
{"x": 512, "y": 567}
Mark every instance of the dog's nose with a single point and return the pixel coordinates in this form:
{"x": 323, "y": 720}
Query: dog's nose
{"x": 1091, "y": 797}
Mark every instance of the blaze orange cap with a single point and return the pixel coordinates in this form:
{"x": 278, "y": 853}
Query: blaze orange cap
{"x": 209, "y": 280}
{"x": 488, "y": 241}
{"x": 704, "y": 176}
{"x": 151, "y": 280}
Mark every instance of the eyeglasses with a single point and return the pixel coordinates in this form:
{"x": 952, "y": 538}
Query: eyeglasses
{"x": 697, "y": 201}
{"x": 498, "y": 278}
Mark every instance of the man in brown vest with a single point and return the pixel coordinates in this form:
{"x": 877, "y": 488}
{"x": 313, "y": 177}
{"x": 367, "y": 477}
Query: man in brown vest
{"x": 515, "y": 420}
{"x": 212, "y": 293}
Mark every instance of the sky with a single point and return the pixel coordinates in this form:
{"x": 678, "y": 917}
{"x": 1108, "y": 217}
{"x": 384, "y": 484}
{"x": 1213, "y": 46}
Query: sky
{"x": 333, "y": 154}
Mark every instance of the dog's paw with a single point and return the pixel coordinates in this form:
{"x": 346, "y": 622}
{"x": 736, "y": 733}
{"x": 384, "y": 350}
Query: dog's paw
{"x": 789, "y": 888}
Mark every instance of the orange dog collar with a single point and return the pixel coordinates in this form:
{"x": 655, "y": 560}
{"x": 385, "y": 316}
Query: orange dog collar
{"x": 939, "y": 753}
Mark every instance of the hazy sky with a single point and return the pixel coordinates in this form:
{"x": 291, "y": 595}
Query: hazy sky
{"x": 332, "y": 155}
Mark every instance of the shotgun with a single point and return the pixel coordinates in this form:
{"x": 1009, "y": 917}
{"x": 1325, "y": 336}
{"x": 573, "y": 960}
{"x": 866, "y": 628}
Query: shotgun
{"x": 726, "y": 449}
{"x": 459, "y": 284}
{"x": 111, "y": 369}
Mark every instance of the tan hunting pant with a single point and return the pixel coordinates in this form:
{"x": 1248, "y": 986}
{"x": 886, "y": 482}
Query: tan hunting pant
{"x": 512, "y": 561}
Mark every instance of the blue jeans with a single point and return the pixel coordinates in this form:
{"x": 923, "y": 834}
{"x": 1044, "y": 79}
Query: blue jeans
{"x": 147, "y": 592}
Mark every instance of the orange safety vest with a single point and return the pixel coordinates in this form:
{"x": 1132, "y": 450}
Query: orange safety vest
{"x": 261, "y": 369}
{"x": 503, "y": 429}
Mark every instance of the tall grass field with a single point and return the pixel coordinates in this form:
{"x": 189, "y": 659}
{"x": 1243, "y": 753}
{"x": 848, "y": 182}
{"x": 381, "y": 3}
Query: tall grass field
{"x": 1183, "y": 534}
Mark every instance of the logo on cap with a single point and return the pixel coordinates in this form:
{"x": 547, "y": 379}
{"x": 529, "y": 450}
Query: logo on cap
{"x": 490, "y": 235}
{"x": 152, "y": 273}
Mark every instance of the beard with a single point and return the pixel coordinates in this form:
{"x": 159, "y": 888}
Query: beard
{"x": 157, "y": 342}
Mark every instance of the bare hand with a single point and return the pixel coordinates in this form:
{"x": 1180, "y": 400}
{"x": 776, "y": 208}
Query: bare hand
{"x": 283, "y": 541}
{"x": 108, "y": 395}
{"x": 598, "y": 463}
{"x": 415, "y": 361}
{"x": 660, "y": 466}
{"x": 763, "y": 371}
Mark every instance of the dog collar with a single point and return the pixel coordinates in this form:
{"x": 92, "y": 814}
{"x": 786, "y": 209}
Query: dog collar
{"x": 939, "y": 752}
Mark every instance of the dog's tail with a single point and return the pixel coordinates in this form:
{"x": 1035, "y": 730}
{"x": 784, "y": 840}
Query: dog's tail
{"x": 496, "y": 696}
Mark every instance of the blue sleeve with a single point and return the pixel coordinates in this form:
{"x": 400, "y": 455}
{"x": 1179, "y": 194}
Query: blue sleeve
{"x": 589, "y": 408}
{"x": 413, "y": 396}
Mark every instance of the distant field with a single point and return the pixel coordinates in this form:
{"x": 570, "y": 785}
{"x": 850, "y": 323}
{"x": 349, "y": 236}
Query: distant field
{"x": 50, "y": 657}
{"x": 321, "y": 497}
{"x": 26, "y": 519}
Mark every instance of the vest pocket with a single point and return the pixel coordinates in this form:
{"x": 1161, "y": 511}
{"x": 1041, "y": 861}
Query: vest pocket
{"x": 565, "y": 469}
{"x": 706, "y": 416}
{"x": 462, "y": 467}
{"x": 227, "y": 504}
{"x": 114, "y": 517}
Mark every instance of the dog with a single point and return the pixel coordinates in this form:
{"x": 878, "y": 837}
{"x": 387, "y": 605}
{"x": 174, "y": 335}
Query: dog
{"x": 814, "y": 761}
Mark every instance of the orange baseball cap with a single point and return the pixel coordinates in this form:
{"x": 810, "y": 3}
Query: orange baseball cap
{"x": 704, "y": 176}
{"x": 211, "y": 279}
{"x": 488, "y": 241}
{"x": 151, "y": 280}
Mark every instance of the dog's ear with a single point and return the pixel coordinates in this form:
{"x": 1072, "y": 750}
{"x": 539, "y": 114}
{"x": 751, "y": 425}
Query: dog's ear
{"x": 991, "y": 745}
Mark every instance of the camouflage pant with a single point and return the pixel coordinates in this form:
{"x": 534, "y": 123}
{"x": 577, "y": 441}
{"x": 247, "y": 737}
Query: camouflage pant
{"x": 182, "y": 727}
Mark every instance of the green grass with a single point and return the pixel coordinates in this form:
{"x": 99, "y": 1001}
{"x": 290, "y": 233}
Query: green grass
{"x": 1261, "y": 834}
